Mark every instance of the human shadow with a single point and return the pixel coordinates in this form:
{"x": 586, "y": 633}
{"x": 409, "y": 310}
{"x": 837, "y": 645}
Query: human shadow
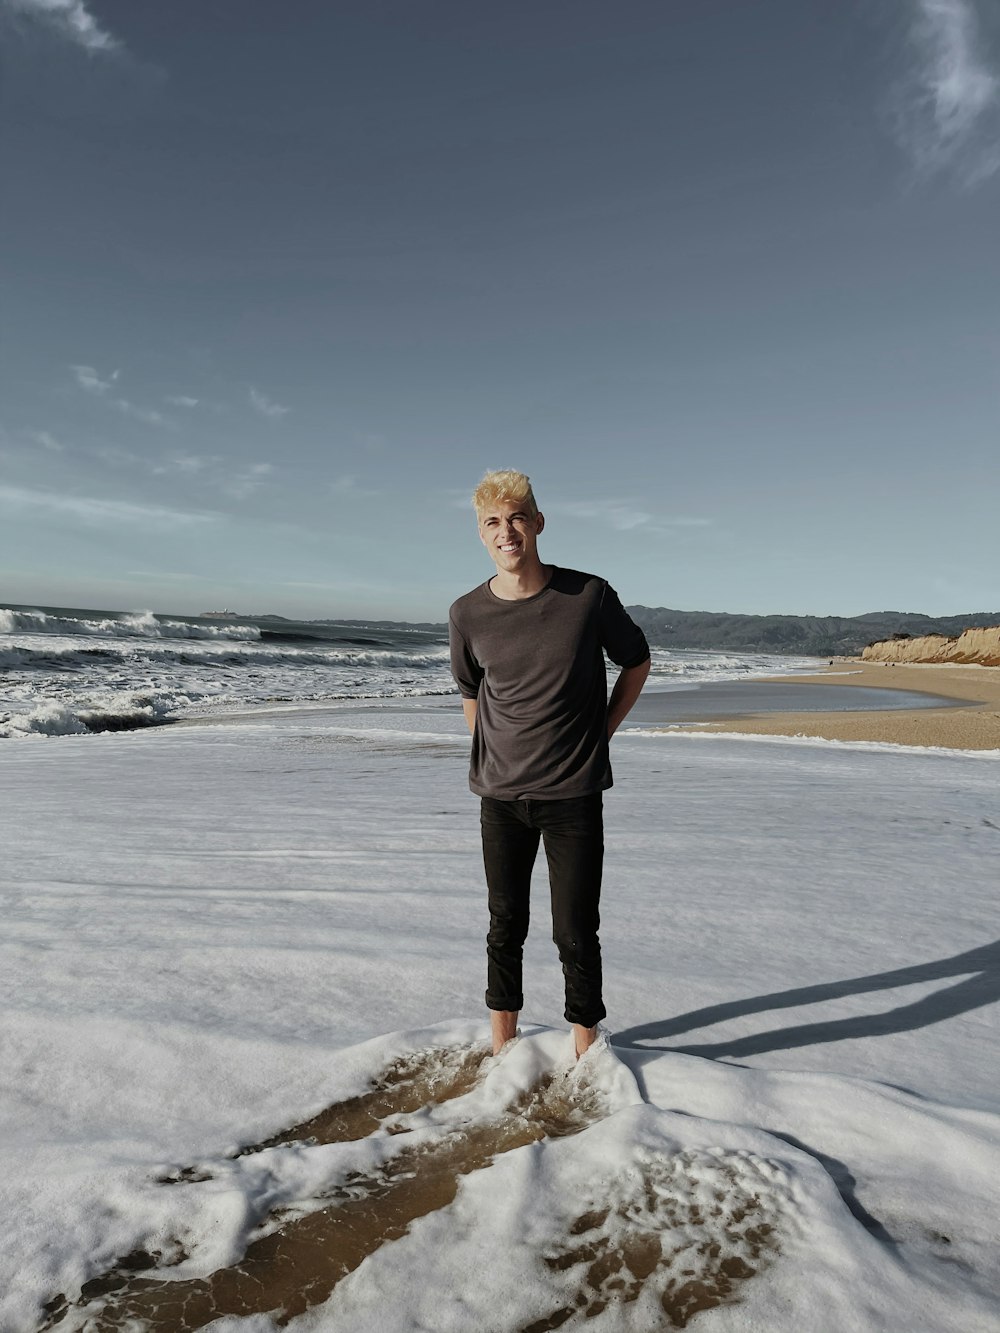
{"x": 972, "y": 993}
{"x": 846, "y": 1185}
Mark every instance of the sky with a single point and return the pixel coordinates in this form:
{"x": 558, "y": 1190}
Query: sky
{"x": 278, "y": 283}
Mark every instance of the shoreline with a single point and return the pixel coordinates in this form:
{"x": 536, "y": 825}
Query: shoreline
{"x": 972, "y": 722}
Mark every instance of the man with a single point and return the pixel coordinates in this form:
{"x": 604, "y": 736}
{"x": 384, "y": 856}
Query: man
{"x": 527, "y": 654}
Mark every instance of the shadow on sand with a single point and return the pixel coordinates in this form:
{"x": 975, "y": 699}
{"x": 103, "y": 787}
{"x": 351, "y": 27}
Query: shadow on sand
{"x": 976, "y": 990}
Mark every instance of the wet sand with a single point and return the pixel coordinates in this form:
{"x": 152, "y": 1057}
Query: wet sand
{"x": 961, "y": 709}
{"x": 954, "y": 707}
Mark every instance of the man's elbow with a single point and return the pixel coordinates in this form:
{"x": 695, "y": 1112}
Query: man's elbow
{"x": 638, "y": 675}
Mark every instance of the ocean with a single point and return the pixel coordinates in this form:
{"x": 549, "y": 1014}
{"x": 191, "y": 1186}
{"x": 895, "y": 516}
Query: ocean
{"x": 69, "y": 671}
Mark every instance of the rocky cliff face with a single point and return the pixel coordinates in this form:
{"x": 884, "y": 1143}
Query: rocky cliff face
{"x": 980, "y": 645}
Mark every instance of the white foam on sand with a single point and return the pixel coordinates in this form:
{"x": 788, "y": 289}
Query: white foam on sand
{"x": 214, "y": 933}
{"x": 689, "y": 729}
{"x": 645, "y": 1210}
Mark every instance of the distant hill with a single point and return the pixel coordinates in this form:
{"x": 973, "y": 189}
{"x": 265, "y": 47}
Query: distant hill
{"x": 719, "y": 631}
{"x": 362, "y": 622}
{"x": 813, "y": 636}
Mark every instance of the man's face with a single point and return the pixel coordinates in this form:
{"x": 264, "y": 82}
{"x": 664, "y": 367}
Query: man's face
{"x": 509, "y": 531}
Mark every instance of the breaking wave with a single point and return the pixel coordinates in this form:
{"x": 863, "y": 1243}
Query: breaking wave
{"x": 125, "y": 712}
{"x": 140, "y": 625}
{"x": 691, "y": 667}
{"x": 68, "y": 656}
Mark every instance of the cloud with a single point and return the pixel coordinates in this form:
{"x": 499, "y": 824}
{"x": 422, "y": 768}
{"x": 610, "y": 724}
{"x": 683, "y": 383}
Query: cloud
{"x": 90, "y": 382}
{"x": 622, "y": 515}
{"x": 46, "y": 440}
{"x": 619, "y": 514}
{"x": 209, "y": 469}
{"x": 189, "y": 464}
{"x": 146, "y": 414}
{"x": 169, "y": 574}
{"x": 180, "y": 400}
{"x": 264, "y": 405}
{"x": 70, "y": 18}
{"x": 245, "y": 482}
{"x": 17, "y": 451}
{"x": 948, "y": 113}
{"x": 99, "y": 512}
{"x": 116, "y": 457}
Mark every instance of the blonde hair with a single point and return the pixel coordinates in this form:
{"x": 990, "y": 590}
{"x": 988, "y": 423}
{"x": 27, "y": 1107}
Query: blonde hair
{"x": 504, "y": 485}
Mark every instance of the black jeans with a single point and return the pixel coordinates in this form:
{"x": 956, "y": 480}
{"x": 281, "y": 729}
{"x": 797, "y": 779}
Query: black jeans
{"x": 573, "y": 833}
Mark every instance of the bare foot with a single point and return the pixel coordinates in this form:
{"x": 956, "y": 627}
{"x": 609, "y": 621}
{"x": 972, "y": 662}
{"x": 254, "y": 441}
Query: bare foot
{"x": 584, "y": 1038}
{"x": 503, "y": 1024}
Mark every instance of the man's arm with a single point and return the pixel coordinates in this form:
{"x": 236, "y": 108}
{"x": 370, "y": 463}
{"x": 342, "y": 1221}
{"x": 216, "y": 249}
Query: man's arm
{"x": 627, "y": 689}
{"x": 469, "y": 707}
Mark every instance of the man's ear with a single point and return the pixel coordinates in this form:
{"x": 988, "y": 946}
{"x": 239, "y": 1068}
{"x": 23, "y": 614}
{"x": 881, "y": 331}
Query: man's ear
{"x": 539, "y": 522}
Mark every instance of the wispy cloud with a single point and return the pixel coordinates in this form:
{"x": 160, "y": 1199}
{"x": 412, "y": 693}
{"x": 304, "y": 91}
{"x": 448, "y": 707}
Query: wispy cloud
{"x": 22, "y": 445}
{"x": 266, "y": 406}
{"x": 169, "y": 574}
{"x": 210, "y": 470}
{"x": 70, "y": 18}
{"x": 116, "y": 457}
{"x": 146, "y": 414}
{"x": 47, "y": 441}
{"x": 180, "y": 400}
{"x": 90, "y": 382}
{"x": 244, "y": 482}
{"x": 621, "y": 515}
{"x": 98, "y": 511}
{"x": 948, "y": 110}
{"x": 188, "y": 464}
{"x": 618, "y": 514}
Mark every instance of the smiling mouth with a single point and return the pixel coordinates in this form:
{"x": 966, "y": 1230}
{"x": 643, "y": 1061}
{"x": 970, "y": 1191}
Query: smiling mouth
{"x": 507, "y": 547}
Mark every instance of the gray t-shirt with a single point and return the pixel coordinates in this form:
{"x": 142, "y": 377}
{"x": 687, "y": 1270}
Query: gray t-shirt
{"x": 536, "y": 668}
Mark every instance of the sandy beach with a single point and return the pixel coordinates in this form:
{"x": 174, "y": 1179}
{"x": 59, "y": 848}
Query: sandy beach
{"x": 976, "y": 727}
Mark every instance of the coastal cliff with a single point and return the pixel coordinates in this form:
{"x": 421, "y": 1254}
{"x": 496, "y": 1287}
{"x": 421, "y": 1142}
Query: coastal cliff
{"x": 979, "y": 646}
